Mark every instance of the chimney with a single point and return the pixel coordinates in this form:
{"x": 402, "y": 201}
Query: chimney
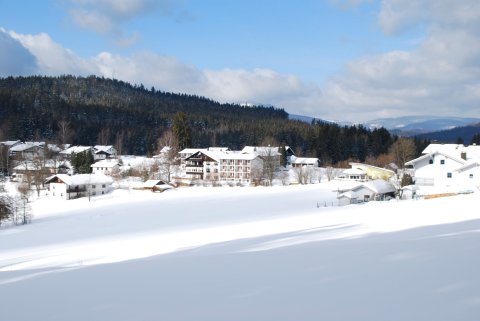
{"x": 463, "y": 155}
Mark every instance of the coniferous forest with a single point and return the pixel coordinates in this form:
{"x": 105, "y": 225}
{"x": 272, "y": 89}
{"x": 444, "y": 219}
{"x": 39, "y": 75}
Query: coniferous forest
{"x": 93, "y": 110}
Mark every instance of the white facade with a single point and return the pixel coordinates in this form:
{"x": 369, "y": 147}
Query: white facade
{"x": 223, "y": 166}
{"x": 76, "y": 186}
{"x": 105, "y": 167}
{"x": 104, "y": 152}
{"x": 446, "y": 168}
{"x": 240, "y": 167}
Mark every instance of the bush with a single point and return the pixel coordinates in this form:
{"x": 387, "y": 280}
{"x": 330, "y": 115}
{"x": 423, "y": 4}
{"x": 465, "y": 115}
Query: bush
{"x": 406, "y": 180}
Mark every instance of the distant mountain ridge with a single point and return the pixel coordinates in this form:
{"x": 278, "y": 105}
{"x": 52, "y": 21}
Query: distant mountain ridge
{"x": 464, "y": 133}
{"x": 421, "y": 126}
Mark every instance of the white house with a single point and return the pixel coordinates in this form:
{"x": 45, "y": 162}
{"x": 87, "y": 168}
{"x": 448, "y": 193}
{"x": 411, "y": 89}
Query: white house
{"x": 266, "y": 153}
{"x": 237, "y": 167}
{"x": 106, "y": 167}
{"x": 76, "y": 186}
{"x": 230, "y": 166}
{"x": 28, "y": 150}
{"x": 304, "y": 162}
{"x": 72, "y": 150}
{"x": 187, "y": 152}
{"x": 104, "y": 152}
{"x": 203, "y": 164}
{"x": 376, "y": 190}
{"x": 353, "y": 174}
{"x": 446, "y": 168}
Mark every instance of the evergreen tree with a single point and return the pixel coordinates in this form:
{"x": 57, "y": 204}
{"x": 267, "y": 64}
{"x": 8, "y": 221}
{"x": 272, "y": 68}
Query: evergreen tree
{"x": 475, "y": 139}
{"x": 81, "y": 162}
{"x": 181, "y": 131}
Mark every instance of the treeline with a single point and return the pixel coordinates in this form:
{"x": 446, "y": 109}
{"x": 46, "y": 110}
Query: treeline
{"x": 94, "y": 110}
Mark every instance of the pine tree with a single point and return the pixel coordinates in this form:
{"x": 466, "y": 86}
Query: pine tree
{"x": 181, "y": 131}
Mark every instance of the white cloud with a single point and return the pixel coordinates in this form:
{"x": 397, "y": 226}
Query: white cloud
{"x": 108, "y": 16}
{"x": 15, "y": 60}
{"x": 51, "y": 57}
{"x": 440, "y": 77}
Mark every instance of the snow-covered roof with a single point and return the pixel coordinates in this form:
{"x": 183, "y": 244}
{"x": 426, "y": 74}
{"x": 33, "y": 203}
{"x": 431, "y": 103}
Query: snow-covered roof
{"x": 54, "y": 148}
{"x": 354, "y": 171}
{"x": 81, "y": 179}
{"x": 378, "y": 186}
{"x": 191, "y": 150}
{"x": 304, "y": 160}
{"x": 238, "y": 156}
{"x": 472, "y": 152}
{"x": 153, "y": 182}
{"x": 261, "y": 150}
{"x": 103, "y": 149}
{"x": 105, "y": 163}
{"x": 362, "y": 166}
{"x": 428, "y": 156}
{"x": 75, "y": 150}
{"x": 467, "y": 166}
{"x": 26, "y": 146}
{"x": 10, "y": 143}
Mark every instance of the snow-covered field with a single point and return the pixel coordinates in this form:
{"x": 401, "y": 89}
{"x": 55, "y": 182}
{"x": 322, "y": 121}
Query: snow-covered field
{"x": 236, "y": 253}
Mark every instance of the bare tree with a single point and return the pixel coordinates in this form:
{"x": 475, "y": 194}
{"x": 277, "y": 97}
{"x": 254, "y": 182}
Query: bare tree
{"x": 304, "y": 175}
{"x": 167, "y": 155}
{"x": 120, "y": 142}
{"x": 331, "y": 172}
{"x": 402, "y": 150}
{"x": 103, "y": 136}
{"x": 65, "y": 132}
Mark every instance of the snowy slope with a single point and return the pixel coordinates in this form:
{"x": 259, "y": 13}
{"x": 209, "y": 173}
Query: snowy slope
{"x": 243, "y": 254}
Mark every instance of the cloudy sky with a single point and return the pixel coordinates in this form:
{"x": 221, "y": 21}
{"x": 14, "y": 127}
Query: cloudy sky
{"x": 349, "y": 60}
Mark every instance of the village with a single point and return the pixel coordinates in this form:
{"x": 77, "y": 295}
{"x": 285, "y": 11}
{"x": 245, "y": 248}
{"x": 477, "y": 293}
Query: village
{"x": 37, "y": 167}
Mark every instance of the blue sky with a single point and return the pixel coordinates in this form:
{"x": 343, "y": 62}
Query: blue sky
{"x": 352, "y": 60}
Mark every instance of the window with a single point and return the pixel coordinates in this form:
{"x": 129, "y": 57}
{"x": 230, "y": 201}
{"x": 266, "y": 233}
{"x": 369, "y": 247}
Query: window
{"x": 470, "y": 176}
{"x": 430, "y": 161}
{"x": 442, "y": 162}
{"x": 93, "y": 186}
{"x": 103, "y": 185}
{"x": 449, "y": 175}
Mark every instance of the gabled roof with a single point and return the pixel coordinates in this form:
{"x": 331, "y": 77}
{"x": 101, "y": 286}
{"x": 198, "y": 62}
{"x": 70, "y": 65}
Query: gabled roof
{"x": 153, "y": 182}
{"x": 105, "y": 163}
{"x": 467, "y": 166}
{"x": 81, "y": 179}
{"x": 430, "y": 155}
{"x": 354, "y": 171}
{"x": 103, "y": 149}
{"x": 362, "y": 166}
{"x": 304, "y": 160}
{"x": 191, "y": 150}
{"x": 261, "y": 150}
{"x": 75, "y": 150}
{"x": 216, "y": 156}
{"x": 472, "y": 152}
{"x": 378, "y": 186}
{"x": 238, "y": 156}
{"x": 26, "y": 146}
{"x": 10, "y": 143}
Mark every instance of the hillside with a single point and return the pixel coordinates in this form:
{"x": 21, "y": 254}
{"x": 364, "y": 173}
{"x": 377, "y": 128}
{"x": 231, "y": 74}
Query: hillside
{"x": 242, "y": 254}
{"x": 465, "y": 133}
{"x": 131, "y": 117}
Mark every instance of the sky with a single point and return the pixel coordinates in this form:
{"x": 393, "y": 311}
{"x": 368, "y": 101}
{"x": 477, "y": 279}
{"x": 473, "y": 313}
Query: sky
{"x": 346, "y": 60}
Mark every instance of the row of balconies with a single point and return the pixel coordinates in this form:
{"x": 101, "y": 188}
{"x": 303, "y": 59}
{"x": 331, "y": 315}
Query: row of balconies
{"x": 235, "y": 162}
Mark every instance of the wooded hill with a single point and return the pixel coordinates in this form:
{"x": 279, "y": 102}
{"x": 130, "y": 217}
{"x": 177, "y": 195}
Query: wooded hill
{"x": 93, "y": 110}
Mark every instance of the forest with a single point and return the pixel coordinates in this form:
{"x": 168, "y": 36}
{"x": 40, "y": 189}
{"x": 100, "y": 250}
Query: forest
{"x": 96, "y": 110}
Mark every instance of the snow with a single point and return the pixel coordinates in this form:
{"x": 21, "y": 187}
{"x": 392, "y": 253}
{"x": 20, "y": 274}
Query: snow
{"x": 242, "y": 253}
